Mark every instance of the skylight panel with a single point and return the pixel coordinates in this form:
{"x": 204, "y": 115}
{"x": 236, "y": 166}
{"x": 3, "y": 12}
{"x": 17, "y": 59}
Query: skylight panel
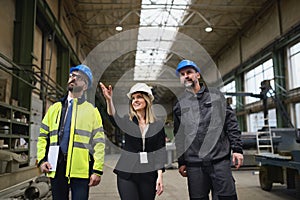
{"x": 153, "y": 41}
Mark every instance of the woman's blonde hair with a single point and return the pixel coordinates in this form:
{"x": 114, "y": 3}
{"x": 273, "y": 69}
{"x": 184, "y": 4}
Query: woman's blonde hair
{"x": 149, "y": 114}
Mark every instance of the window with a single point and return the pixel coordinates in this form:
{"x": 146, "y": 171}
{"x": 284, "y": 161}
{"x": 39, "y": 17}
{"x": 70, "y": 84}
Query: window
{"x": 294, "y": 65}
{"x": 254, "y": 77}
{"x": 256, "y": 120}
{"x": 297, "y": 114}
{"x": 230, "y": 87}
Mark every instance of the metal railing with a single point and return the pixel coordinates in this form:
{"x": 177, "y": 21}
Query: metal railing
{"x": 51, "y": 90}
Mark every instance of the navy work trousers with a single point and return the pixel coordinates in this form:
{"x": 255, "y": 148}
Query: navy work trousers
{"x": 60, "y": 187}
{"x": 216, "y": 177}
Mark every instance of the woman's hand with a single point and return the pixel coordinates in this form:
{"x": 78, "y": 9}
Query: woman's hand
{"x": 107, "y": 91}
{"x": 159, "y": 183}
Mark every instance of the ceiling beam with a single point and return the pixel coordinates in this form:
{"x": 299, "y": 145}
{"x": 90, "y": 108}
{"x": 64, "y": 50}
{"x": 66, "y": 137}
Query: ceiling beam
{"x": 206, "y": 6}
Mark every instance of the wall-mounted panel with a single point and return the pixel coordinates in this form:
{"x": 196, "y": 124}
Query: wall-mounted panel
{"x": 264, "y": 31}
{"x": 290, "y": 14}
{"x": 68, "y": 26}
{"x": 230, "y": 59}
{"x": 53, "y": 4}
{"x": 37, "y": 52}
{"x": 7, "y": 17}
{"x": 51, "y": 61}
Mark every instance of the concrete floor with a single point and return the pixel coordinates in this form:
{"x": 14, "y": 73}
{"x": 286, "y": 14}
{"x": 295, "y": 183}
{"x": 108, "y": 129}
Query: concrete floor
{"x": 247, "y": 183}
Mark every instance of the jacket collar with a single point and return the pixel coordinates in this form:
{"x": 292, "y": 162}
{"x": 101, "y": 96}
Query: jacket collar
{"x": 202, "y": 89}
{"x": 81, "y": 100}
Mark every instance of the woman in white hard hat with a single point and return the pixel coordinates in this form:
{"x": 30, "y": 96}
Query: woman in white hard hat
{"x": 140, "y": 167}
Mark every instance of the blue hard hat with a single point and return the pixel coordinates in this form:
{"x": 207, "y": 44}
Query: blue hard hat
{"x": 86, "y": 70}
{"x": 186, "y": 63}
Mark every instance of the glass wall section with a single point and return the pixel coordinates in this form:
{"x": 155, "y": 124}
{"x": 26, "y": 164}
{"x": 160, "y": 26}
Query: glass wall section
{"x": 294, "y": 66}
{"x": 230, "y": 87}
{"x": 254, "y": 77}
{"x": 256, "y": 120}
{"x": 297, "y": 114}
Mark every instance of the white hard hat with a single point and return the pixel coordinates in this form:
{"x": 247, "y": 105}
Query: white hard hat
{"x": 140, "y": 87}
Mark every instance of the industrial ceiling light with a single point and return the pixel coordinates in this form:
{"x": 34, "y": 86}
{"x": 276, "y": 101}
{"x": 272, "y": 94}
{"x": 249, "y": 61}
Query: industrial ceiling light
{"x": 119, "y": 28}
{"x": 208, "y": 29}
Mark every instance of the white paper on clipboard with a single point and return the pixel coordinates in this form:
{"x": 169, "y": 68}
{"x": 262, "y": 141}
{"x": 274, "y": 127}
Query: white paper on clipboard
{"x": 53, "y": 157}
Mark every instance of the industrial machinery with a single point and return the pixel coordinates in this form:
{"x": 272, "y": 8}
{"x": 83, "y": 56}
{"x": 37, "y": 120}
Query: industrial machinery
{"x": 282, "y": 163}
{"x": 283, "y": 166}
{"x": 253, "y": 142}
{"x": 38, "y": 188}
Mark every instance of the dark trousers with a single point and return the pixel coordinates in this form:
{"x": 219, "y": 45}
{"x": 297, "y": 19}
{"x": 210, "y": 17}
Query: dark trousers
{"x": 60, "y": 187}
{"x": 215, "y": 177}
{"x": 137, "y": 187}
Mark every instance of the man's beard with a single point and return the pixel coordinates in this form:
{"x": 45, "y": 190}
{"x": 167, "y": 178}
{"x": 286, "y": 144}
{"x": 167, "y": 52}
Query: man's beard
{"x": 190, "y": 83}
{"x": 74, "y": 88}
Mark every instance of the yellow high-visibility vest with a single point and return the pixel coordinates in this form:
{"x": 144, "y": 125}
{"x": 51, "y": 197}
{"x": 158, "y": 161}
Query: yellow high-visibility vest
{"x": 86, "y": 142}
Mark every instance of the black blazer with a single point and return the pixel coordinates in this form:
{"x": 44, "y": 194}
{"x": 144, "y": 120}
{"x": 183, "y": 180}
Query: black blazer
{"x": 155, "y": 146}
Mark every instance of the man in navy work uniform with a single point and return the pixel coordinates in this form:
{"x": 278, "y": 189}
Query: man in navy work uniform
{"x": 206, "y": 132}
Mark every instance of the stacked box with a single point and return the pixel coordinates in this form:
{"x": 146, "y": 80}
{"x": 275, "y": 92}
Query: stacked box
{"x": 12, "y": 166}
{"x": 3, "y": 83}
{"x": 3, "y": 165}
